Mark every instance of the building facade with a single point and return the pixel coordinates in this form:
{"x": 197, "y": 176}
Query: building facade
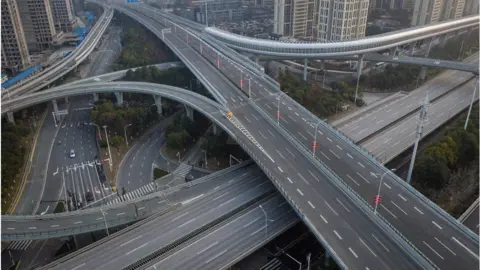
{"x": 471, "y": 7}
{"x": 426, "y": 12}
{"x": 452, "y": 9}
{"x": 220, "y": 11}
{"x": 342, "y": 20}
{"x": 407, "y": 5}
{"x": 296, "y": 18}
{"x": 63, "y": 16}
{"x": 38, "y": 25}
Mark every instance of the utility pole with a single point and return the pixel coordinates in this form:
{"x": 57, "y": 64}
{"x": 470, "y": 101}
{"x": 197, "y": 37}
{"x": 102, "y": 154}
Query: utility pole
{"x": 108, "y": 145}
{"x": 421, "y": 119}
{"x": 475, "y": 87}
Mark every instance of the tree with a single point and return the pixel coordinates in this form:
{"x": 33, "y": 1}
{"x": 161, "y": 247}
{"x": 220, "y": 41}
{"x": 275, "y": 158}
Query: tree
{"x": 116, "y": 141}
{"x": 431, "y": 172}
{"x": 177, "y": 140}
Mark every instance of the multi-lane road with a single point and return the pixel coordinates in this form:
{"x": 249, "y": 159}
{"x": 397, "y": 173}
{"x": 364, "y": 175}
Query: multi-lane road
{"x": 400, "y": 206}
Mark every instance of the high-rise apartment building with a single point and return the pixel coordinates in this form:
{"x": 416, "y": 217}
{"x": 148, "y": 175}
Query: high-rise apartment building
{"x": 342, "y": 20}
{"x": 14, "y": 45}
{"x": 296, "y": 18}
{"x": 37, "y": 21}
{"x": 427, "y": 11}
{"x": 452, "y": 9}
{"x": 471, "y": 7}
{"x": 372, "y": 5}
{"x": 63, "y": 16}
{"x": 407, "y": 4}
{"x": 221, "y": 11}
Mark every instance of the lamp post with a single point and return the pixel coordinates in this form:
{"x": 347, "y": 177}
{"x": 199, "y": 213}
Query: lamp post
{"x": 108, "y": 145}
{"x": 205, "y": 153}
{"x": 323, "y": 81}
{"x": 475, "y": 87}
{"x": 315, "y": 139}
{"x": 99, "y": 132}
{"x": 125, "y": 133}
{"x": 379, "y": 187}
{"x": 104, "y": 220}
{"x": 249, "y": 88}
{"x": 278, "y": 109}
{"x": 54, "y": 119}
{"x": 266, "y": 221}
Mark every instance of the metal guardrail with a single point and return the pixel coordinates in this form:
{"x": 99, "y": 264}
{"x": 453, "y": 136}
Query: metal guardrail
{"x": 469, "y": 211}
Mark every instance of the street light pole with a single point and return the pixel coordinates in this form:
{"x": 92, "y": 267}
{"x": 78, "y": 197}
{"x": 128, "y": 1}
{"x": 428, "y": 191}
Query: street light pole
{"x": 278, "y": 110}
{"x": 99, "y": 132}
{"x": 249, "y": 88}
{"x": 108, "y": 145}
{"x": 266, "y": 221}
{"x": 475, "y": 87}
{"x": 315, "y": 139}
{"x": 105, "y": 220}
{"x": 379, "y": 188}
{"x": 125, "y": 133}
{"x": 54, "y": 119}
{"x": 205, "y": 152}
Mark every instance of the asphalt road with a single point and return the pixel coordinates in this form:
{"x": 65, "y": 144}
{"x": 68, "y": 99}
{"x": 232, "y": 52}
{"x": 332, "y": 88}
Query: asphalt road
{"x": 364, "y": 125}
{"x": 133, "y": 245}
{"x": 472, "y": 221}
{"x": 354, "y": 169}
{"x": 392, "y": 141}
{"x": 216, "y": 248}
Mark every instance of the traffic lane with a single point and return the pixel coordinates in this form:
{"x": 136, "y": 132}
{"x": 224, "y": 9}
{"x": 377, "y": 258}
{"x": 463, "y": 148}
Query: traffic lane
{"x": 247, "y": 229}
{"x": 404, "y": 134}
{"x": 303, "y": 189}
{"x": 164, "y": 229}
{"x": 358, "y": 176}
{"x": 472, "y": 221}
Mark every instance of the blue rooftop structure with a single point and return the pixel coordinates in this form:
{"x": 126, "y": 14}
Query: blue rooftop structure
{"x": 22, "y": 75}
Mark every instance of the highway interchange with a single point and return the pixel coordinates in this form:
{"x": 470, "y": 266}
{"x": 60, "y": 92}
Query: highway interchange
{"x": 356, "y": 174}
{"x": 307, "y": 188}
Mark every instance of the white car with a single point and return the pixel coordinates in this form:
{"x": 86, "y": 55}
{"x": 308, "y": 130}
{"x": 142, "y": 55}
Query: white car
{"x": 72, "y": 153}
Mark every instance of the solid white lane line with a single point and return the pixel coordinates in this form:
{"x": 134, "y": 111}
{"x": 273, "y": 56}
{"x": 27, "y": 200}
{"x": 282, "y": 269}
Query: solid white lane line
{"x": 10, "y": 228}
{"x": 403, "y": 198}
{"x": 399, "y": 208}
{"x": 216, "y": 198}
{"x": 376, "y": 239}
{"x": 54, "y": 226}
{"x": 363, "y": 178}
{"x": 367, "y": 247}
{"x": 205, "y": 249}
{"x": 289, "y": 180}
{"x": 216, "y": 256}
{"x": 32, "y": 228}
{"x": 386, "y": 209}
{"x": 334, "y": 153}
{"x": 141, "y": 208}
{"x": 290, "y": 152}
{"x": 389, "y": 187}
{"x": 255, "y": 232}
{"x": 418, "y": 210}
{"x": 353, "y": 180}
{"x": 432, "y": 249}
{"x": 280, "y": 169}
{"x": 120, "y": 214}
{"x": 78, "y": 266}
{"x": 311, "y": 205}
{"x": 338, "y": 235}
{"x": 250, "y": 223}
{"x": 186, "y": 222}
{"x": 216, "y": 188}
{"x": 331, "y": 208}
{"x": 305, "y": 138}
{"x": 445, "y": 246}
{"x": 100, "y": 218}
{"x": 343, "y": 205}
{"x": 181, "y": 216}
{"x": 305, "y": 180}
{"x": 135, "y": 249}
{"x": 361, "y": 164}
{"x": 247, "y": 119}
{"x": 299, "y": 191}
{"x": 339, "y": 147}
{"x": 353, "y": 252}
{"x": 463, "y": 246}
{"x": 374, "y": 175}
{"x": 129, "y": 241}
{"x": 324, "y": 220}
{"x": 330, "y": 140}
{"x": 313, "y": 175}
{"x": 321, "y": 152}
{"x": 438, "y": 226}
{"x": 222, "y": 204}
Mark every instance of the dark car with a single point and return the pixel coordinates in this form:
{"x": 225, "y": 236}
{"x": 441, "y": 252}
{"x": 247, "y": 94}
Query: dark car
{"x": 89, "y": 196}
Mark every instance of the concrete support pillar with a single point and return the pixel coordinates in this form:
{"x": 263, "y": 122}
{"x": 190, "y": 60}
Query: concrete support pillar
{"x": 443, "y": 40}
{"x": 392, "y": 51}
{"x": 423, "y": 73}
{"x": 423, "y": 70}
{"x": 359, "y": 73}
{"x": 158, "y": 103}
{"x": 257, "y": 59}
{"x": 189, "y": 112}
{"x": 305, "y": 66}
{"x": 410, "y": 50}
{"x": 66, "y": 99}
{"x": 55, "y": 109}
{"x": 95, "y": 97}
{"x": 327, "y": 258}
{"x": 119, "y": 96}
{"x": 10, "y": 117}
{"x": 322, "y": 64}
{"x": 24, "y": 113}
{"x": 215, "y": 129}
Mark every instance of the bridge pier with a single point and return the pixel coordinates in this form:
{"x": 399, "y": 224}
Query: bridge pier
{"x": 322, "y": 64}
{"x": 392, "y": 51}
{"x": 10, "y": 117}
{"x": 410, "y": 50}
{"x": 158, "y": 103}
{"x": 305, "y": 66}
{"x": 55, "y": 110}
{"x": 24, "y": 113}
{"x": 119, "y": 96}
{"x": 359, "y": 73}
{"x": 189, "y": 111}
{"x": 257, "y": 59}
{"x": 423, "y": 70}
{"x": 215, "y": 129}
{"x": 443, "y": 40}
{"x": 95, "y": 97}
{"x": 66, "y": 99}
{"x": 327, "y": 258}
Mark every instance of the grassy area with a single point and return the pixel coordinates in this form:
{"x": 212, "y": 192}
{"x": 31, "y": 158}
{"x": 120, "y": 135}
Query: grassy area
{"x": 59, "y": 208}
{"x": 158, "y": 173}
{"x": 171, "y": 154}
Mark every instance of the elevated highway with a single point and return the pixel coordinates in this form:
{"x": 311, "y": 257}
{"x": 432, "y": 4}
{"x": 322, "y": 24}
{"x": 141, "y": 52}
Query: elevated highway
{"x": 263, "y": 102}
{"x": 65, "y": 65}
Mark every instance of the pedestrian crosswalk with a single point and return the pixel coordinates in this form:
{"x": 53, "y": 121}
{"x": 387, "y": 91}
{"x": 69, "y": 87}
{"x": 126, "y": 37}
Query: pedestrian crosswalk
{"x": 20, "y": 245}
{"x": 139, "y": 192}
{"x": 181, "y": 171}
